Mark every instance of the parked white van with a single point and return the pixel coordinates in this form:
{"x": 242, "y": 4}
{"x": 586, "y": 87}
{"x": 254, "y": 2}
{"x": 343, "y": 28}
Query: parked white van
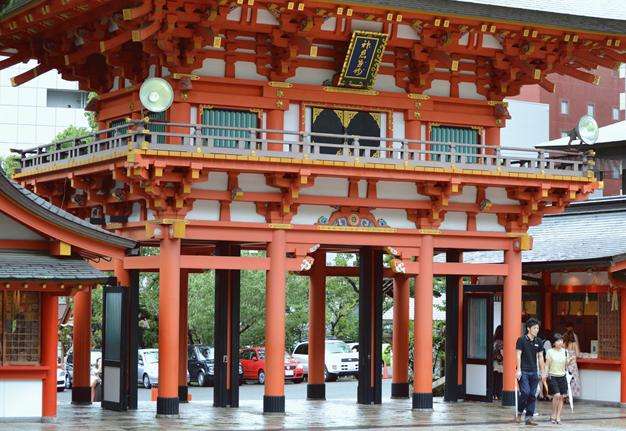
{"x": 339, "y": 360}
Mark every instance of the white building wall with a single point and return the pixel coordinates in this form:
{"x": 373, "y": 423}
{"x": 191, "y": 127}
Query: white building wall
{"x": 25, "y": 118}
{"x": 529, "y": 124}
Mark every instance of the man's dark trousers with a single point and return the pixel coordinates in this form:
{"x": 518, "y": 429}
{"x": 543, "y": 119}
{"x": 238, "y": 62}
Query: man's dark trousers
{"x": 528, "y": 388}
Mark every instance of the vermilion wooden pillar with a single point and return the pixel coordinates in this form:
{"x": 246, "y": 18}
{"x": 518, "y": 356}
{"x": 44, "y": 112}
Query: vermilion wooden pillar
{"x": 182, "y": 337}
{"x": 316, "y": 388}
{"x": 81, "y": 389}
{"x": 423, "y": 329}
{"x": 400, "y": 341}
{"x": 622, "y": 316}
{"x": 413, "y": 131}
{"x": 275, "y": 121}
{"x": 169, "y": 314}
{"x": 179, "y": 113}
{"x": 547, "y": 300}
{"x": 460, "y": 347}
{"x": 49, "y": 345}
{"x": 274, "y": 398}
{"x": 512, "y": 322}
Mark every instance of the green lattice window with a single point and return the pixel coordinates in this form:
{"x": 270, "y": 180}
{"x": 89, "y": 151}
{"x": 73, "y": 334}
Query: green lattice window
{"x": 116, "y": 123}
{"x": 228, "y": 118}
{"x": 458, "y": 135}
{"x": 154, "y": 126}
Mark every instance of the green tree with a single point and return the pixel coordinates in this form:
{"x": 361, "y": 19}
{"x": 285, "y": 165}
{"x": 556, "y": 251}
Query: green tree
{"x": 10, "y": 163}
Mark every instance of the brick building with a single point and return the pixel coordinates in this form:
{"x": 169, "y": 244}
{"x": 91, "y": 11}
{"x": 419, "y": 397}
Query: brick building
{"x": 573, "y": 98}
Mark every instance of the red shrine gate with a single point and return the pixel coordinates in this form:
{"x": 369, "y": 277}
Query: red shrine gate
{"x": 270, "y": 144}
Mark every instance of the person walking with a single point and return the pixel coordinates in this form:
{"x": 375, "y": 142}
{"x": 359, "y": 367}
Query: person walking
{"x": 557, "y": 360}
{"x": 529, "y": 351}
{"x": 570, "y": 342}
{"x": 498, "y": 351}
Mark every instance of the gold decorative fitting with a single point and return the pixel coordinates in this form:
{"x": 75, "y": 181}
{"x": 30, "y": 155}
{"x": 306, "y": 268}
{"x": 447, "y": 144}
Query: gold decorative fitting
{"x": 351, "y": 90}
{"x": 446, "y": 23}
{"x": 280, "y": 93}
{"x": 300, "y": 7}
{"x": 290, "y": 5}
{"x": 349, "y": 12}
{"x": 280, "y": 225}
{"x": 217, "y": 42}
{"x": 429, "y": 231}
{"x": 191, "y": 76}
{"x": 390, "y": 17}
{"x": 483, "y": 28}
{"x": 398, "y": 18}
{"x": 280, "y": 103}
{"x": 313, "y": 51}
{"x": 418, "y": 96}
{"x": 339, "y": 11}
{"x": 596, "y": 80}
{"x": 280, "y": 84}
{"x": 437, "y": 22}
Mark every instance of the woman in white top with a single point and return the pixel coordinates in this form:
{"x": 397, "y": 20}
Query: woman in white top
{"x": 556, "y": 365}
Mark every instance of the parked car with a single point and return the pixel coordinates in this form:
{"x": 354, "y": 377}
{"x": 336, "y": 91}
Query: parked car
{"x": 200, "y": 365}
{"x": 61, "y": 377}
{"x": 339, "y": 359}
{"x": 148, "y": 367}
{"x": 69, "y": 365}
{"x": 253, "y": 361}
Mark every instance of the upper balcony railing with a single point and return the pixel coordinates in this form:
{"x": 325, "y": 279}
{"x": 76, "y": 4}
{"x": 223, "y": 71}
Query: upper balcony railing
{"x": 204, "y": 139}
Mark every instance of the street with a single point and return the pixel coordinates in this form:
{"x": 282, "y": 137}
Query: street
{"x": 343, "y": 389}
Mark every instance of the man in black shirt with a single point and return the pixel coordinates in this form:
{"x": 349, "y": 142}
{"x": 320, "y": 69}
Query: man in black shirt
{"x": 529, "y": 349}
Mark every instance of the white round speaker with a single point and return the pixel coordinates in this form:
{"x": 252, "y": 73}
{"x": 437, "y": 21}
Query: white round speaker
{"x": 156, "y": 94}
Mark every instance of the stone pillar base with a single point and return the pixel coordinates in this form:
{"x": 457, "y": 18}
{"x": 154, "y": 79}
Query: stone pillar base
{"x": 399, "y": 390}
{"x": 167, "y": 407}
{"x": 508, "y": 398}
{"x": 316, "y": 391}
{"x": 273, "y": 404}
{"x": 81, "y": 395}
{"x": 423, "y": 401}
{"x": 183, "y": 391}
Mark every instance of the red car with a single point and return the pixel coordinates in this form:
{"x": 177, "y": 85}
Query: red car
{"x": 253, "y": 362}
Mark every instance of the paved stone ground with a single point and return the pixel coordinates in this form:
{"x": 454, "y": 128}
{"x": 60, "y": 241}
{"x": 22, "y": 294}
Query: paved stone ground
{"x": 320, "y": 415}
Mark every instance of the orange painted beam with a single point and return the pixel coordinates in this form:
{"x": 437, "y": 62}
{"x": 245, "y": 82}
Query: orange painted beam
{"x": 452, "y": 268}
{"x": 49, "y": 341}
{"x": 8, "y": 244}
{"x": 618, "y": 266}
{"x": 224, "y": 262}
{"x": 53, "y": 231}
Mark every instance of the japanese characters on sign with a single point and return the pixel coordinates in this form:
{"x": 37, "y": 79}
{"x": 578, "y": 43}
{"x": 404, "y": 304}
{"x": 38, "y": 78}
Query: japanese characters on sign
{"x": 362, "y": 59}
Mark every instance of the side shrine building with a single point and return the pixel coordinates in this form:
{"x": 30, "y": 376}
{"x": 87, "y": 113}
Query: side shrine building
{"x": 305, "y": 127}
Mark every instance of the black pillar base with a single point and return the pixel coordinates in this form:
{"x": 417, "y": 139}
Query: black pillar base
{"x": 399, "y": 390}
{"x": 273, "y": 404}
{"x": 422, "y": 400}
{"x": 167, "y": 407}
{"x": 316, "y": 391}
{"x": 182, "y": 394}
{"x": 81, "y": 395}
{"x": 508, "y": 398}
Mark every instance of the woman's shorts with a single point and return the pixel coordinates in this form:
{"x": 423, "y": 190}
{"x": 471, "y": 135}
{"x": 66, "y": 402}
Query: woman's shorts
{"x": 557, "y": 385}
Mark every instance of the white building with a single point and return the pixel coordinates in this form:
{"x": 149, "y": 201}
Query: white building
{"x": 35, "y": 112}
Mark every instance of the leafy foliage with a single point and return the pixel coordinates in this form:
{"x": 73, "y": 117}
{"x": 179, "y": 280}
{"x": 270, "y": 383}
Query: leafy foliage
{"x": 10, "y": 164}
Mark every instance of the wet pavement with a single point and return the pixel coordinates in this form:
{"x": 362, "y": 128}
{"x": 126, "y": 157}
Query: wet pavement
{"x": 325, "y": 415}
